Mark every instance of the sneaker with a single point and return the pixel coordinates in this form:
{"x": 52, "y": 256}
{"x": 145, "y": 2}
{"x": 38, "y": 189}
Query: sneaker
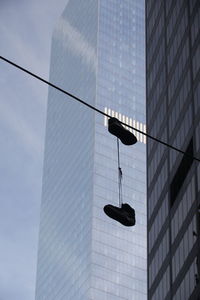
{"x": 124, "y": 215}
{"x": 116, "y": 128}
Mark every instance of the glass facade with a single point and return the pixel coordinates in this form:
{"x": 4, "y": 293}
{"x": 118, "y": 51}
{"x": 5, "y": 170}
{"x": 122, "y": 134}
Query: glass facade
{"x": 173, "y": 116}
{"x": 98, "y": 55}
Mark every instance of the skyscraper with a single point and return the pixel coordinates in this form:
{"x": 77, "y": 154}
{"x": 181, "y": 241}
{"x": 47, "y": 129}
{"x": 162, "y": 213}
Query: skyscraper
{"x": 173, "y": 115}
{"x": 98, "y": 55}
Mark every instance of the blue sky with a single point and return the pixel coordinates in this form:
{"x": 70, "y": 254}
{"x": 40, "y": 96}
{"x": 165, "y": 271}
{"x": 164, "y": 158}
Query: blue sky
{"x": 25, "y": 28}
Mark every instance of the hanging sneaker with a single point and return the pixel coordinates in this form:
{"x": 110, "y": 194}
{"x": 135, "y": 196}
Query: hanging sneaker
{"x": 124, "y": 215}
{"x": 116, "y": 128}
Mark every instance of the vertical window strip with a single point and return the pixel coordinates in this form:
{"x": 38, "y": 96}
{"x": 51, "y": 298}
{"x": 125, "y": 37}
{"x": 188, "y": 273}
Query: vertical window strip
{"x": 138, "y": 127}
{"x": 141, "y": 135}
{"x": 127, "y": 122}
{"x": 131, "y": 124}
{"x": 134, "y": 132}
{"x": 144, "y": 136}
{"x": 105, "y": 118}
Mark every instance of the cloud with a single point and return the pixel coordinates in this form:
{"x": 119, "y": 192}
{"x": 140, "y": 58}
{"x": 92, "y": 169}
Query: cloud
{"x": 22, "y": 130}
{"x": 27, "y": 57}
{"x": 25, "y": 53}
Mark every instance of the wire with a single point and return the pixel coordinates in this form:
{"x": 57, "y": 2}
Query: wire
{"x": 94, "y": 108}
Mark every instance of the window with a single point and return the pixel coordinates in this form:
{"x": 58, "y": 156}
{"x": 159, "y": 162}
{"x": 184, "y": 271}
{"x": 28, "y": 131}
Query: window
{"x": 181, "y": 173}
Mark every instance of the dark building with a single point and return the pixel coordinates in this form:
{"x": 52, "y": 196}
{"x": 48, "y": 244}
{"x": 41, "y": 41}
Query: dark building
{"x": 173, "y": 115}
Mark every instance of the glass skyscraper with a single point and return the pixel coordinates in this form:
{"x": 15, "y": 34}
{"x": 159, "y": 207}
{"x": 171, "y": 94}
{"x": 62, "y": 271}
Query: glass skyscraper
{"x": 98, "y": 55}
{"x": 173, "y": 115}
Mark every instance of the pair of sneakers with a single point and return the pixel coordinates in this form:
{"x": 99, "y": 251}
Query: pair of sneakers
{"x": 124, "y": 214}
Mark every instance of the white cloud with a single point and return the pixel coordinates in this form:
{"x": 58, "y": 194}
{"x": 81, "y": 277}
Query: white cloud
{"x": 24, "y": 52}
{"x": 22, "y": 130}
{"x": 24, "y": 55}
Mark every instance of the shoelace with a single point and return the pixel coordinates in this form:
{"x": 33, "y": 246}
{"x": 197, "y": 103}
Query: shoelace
{"x": 119, "y": 176}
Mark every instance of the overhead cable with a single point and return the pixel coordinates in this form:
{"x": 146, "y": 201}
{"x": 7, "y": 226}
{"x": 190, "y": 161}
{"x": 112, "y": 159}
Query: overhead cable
{"x": 94, "y": 108}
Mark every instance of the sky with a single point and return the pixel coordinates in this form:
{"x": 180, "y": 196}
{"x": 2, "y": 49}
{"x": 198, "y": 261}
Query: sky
{"x": 25, "y": 28}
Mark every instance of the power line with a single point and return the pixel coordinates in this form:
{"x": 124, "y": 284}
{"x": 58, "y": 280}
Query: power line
{"x": 94, "y": 108}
